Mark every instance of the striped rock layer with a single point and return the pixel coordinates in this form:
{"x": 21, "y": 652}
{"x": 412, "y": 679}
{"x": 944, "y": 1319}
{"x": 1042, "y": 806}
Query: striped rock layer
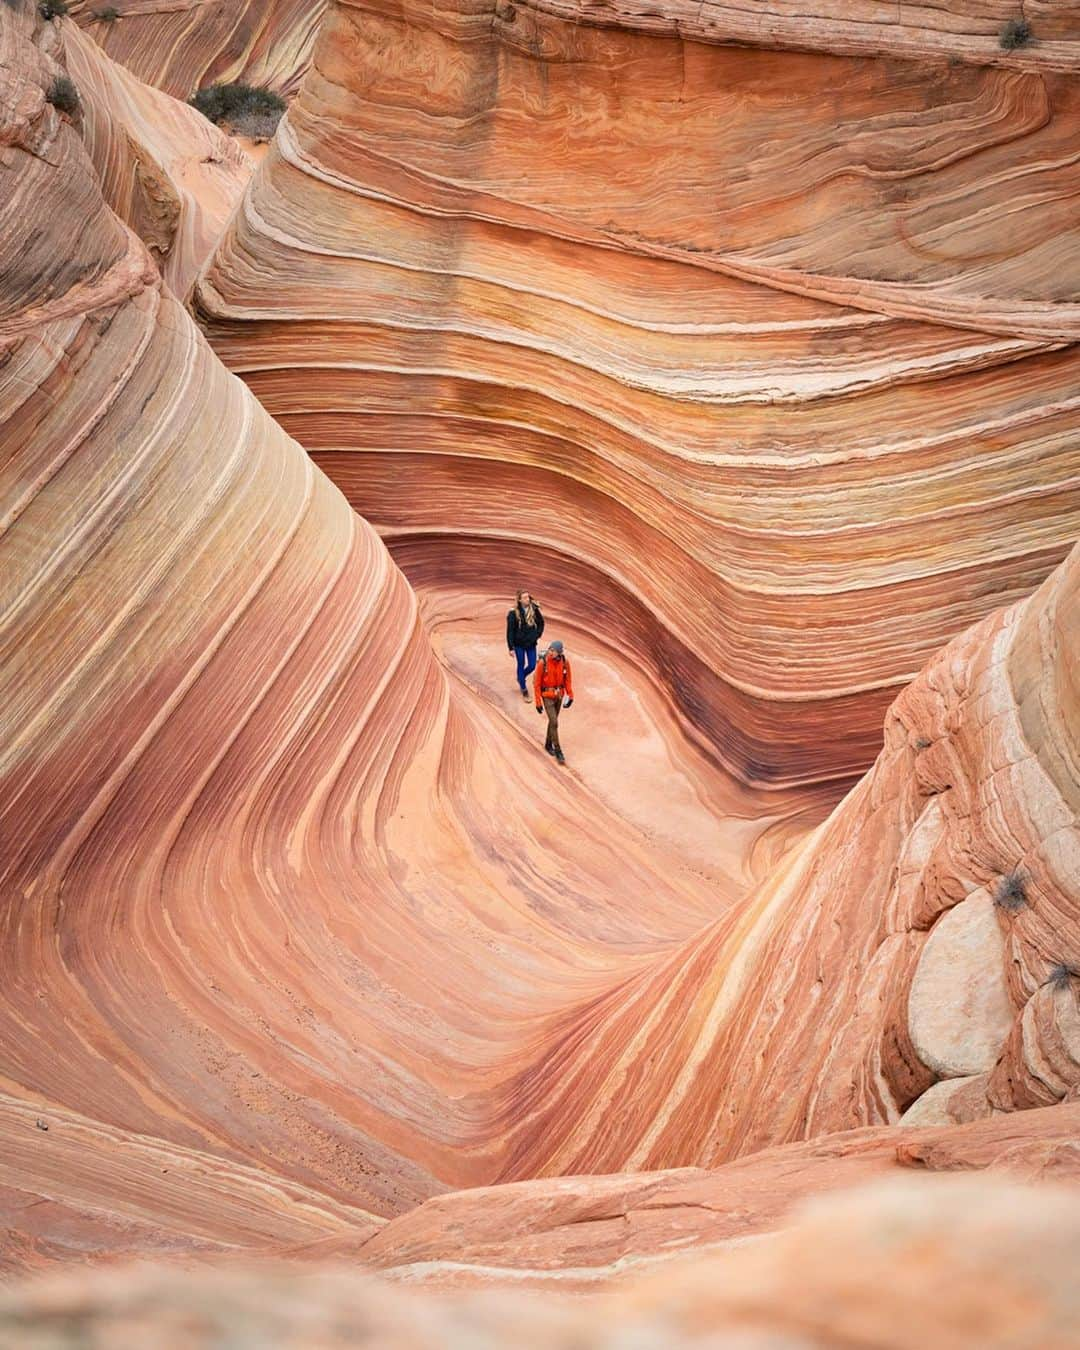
{"x": 924, "y": 939}
{"x": 277, "y": 892}
{"x": 179, "y": 46}
{"x": 579, "y": 1233}
{"x": 298, "y": 931}
{"x": 760, "y": 362}
{"x": 927, "y": 31}
{"x": 164, "y": 169}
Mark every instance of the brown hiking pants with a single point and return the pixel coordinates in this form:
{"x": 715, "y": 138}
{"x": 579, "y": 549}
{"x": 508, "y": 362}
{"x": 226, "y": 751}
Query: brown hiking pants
{"x": 551, "y": 707}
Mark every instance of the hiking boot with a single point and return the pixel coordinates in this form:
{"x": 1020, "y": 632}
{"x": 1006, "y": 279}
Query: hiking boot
{"x": 525, "y": 695}
{"x": 560, "y": 756}
{"x": 549, "y": 749}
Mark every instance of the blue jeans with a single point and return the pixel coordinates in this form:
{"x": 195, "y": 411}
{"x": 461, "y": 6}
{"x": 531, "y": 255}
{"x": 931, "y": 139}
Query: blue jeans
{"x": 526, "y": 662}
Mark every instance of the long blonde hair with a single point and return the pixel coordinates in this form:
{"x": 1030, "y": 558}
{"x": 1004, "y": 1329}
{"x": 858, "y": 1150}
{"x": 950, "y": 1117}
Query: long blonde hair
{"x": 528, "y": 612}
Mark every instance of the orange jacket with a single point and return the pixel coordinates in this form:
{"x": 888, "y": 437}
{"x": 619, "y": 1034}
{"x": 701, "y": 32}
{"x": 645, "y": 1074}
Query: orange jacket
{"x": 553, "y": 677}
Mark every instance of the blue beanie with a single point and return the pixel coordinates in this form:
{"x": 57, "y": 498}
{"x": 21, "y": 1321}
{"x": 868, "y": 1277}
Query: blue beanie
{"x": 556, "y": 647}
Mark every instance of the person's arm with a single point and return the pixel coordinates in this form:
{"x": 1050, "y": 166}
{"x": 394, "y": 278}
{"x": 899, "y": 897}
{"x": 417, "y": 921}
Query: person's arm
{"x": 539, "y": 623}
{"x": 510, "y": 634}
{"x": 569, "y": 684}
{"x": 538, "y": 684}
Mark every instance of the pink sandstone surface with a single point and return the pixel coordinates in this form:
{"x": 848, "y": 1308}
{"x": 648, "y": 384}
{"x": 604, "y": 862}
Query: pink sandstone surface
{"x": 785, "y": 407}
{"x": 307, "y": 951}
{"x": 953, "y": 1265}
{"x": 926, "y": 31}
{"x": 182, "y": 45}
{"x": 164, "y": 169}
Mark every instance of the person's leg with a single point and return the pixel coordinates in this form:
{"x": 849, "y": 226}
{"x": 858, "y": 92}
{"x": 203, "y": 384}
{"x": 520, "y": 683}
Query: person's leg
{"x": 521, "y": 654}
{"x": 553, "y": 705}
{"x": 552, "y": 739}
{"x": 529, "y": 655}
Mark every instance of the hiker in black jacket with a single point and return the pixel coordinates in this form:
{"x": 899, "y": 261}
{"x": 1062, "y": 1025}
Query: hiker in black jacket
{"x": 524, "y": 628}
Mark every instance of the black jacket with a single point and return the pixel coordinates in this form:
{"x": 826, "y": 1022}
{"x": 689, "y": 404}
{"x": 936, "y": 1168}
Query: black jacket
{"x": 522, "y": 634}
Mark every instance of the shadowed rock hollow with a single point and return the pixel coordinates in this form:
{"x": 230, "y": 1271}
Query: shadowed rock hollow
{"x": 300, "y": 931}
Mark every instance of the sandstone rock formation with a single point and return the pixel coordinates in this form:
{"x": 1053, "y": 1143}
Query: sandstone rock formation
{"x": 958, "y": 30}
{"x": 274, "y": 886}
{"x": 580, "y": 1232}
{"x": 180, "y": 45}
{"x": 164, "y": 169}
{"x": 951, "y": 1265}
{"x": 756, "y": 360}
{"x": 299, "y": 931}
{"x": 817, "y": 1005}
{"x": 75, "y": 1190}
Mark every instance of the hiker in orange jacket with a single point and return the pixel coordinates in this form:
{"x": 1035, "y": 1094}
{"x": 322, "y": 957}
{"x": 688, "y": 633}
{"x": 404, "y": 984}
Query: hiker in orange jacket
{"x": 553, "y": 685}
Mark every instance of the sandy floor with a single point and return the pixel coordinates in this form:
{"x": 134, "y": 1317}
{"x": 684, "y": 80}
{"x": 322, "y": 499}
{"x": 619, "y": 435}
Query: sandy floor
{"x": 623, "y": 744}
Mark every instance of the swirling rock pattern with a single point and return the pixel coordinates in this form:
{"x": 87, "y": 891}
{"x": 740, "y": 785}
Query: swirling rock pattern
{"x": 661, "y": 326}
{"x": 274, "y": 886}
{"x": 75, "y": 1190}
{"x": 800, "y": 1012}
{"x": 958, "y": 30}
{"x": 181, "y": 45}
{"x": 295, "y": 937}
{"x": 164, "y": 169}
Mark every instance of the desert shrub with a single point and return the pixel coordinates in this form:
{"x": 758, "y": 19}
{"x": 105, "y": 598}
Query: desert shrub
{"x": 53, "y": 9}
{"x": 1016, "y": 33}
{"x": 1061, "y": 974}
{"x": 244, "y": 108}
{"x": 923, "y": 744}
{"x": 107, "y": 15}
{"x": 63, "y": 95}
{"x": 1011, "y": 893}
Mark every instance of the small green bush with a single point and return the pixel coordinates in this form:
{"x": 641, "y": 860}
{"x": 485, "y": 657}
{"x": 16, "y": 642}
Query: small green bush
{"x": 245, "y": 109}
{"x": 53, "y": 9}
{"x": 1011, "y": 893}
{"x": 64, "y": 97}
{"x": 1061, "y": 974}
{"x": 923, "y": 744}
{"x": 1016, "y": 33}
{"x": 106, "y": 15}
